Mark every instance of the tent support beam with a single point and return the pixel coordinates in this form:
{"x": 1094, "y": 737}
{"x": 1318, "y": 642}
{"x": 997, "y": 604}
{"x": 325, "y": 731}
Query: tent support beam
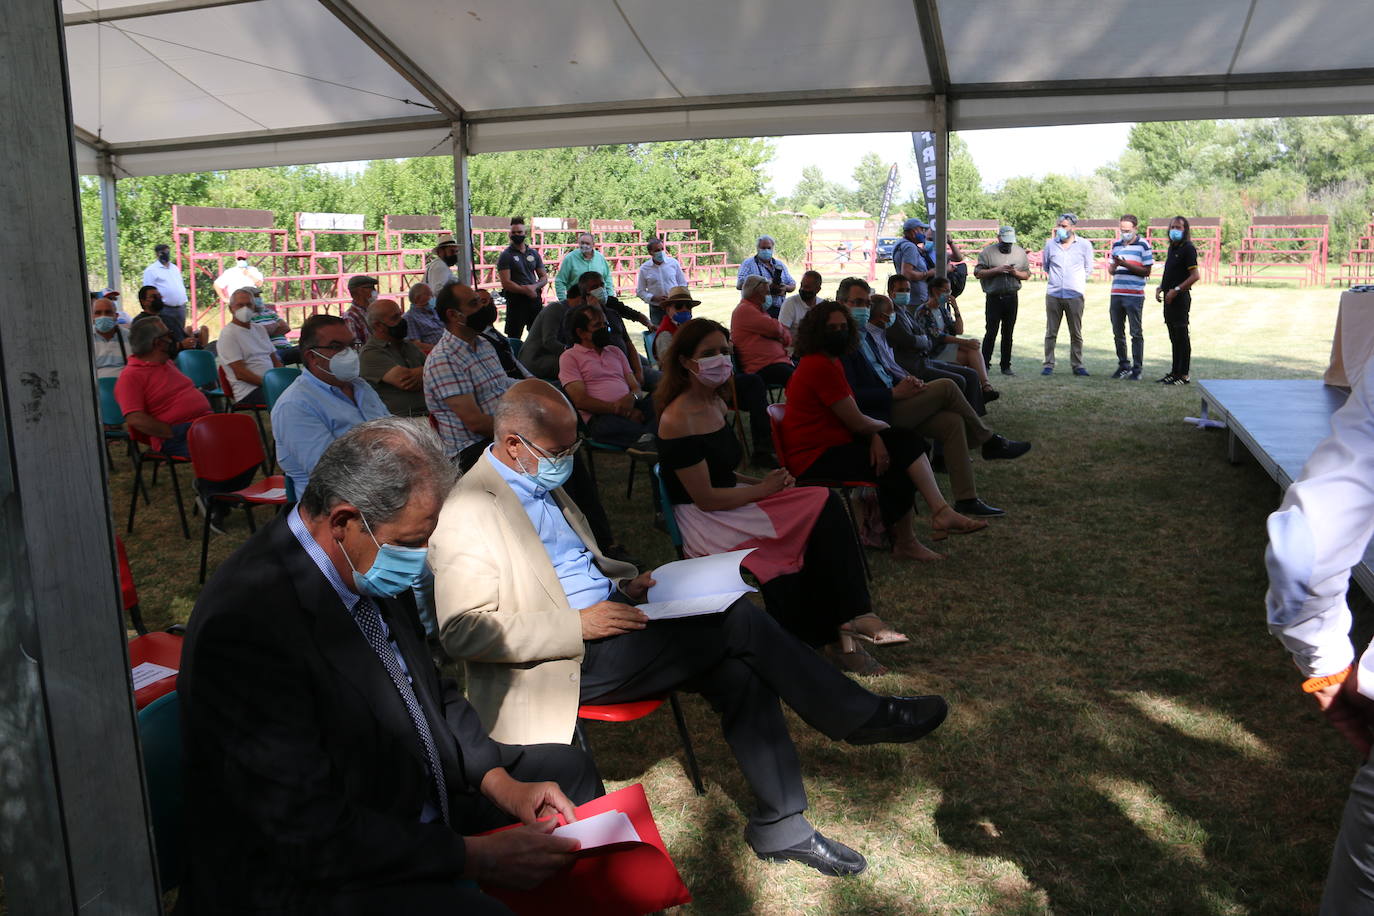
{"x": 140, "y": 10}
{"x": 933, "y": 43}
{"x": 941, "y": 130}
{"x": 395, "y": 58}
{"x": 462, "y": 207}
{"x": 74, "y": 829}
{"x": 109, "y": 221}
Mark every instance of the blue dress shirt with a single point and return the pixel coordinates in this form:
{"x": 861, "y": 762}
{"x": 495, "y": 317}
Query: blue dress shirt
{"x": 582, "y": 582}
{"x": 310, "y": 414}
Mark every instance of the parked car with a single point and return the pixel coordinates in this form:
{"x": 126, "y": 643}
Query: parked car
{"x": 885, "y": 246}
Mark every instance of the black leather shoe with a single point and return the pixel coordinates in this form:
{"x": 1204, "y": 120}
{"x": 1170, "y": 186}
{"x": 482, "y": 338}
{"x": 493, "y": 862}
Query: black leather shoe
{"x": 1006, "y": 370}
{"x": 901, "y": 719}
{"x": 1004, "y": 448}
{"x": 826, "y": 856}
{"x": 976, "y": 508}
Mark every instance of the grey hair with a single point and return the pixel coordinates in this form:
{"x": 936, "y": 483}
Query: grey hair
{"x": 529, "y": 410}
{"x": 418, "y": 286}
{"x": 585, "y": 234}
{"x": 144, "y": 332}
{"x": 765, "y": 238}
{"x": 249, "y": 290}
{"x": 753, "y": 282}
{"x": 378, "y": 467}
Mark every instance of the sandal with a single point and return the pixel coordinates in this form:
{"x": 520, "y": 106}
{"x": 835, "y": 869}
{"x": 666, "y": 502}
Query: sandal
{"x": 848, "y": 655}
{"x": 962, "y": 524}
{"x": 877, "y": 632}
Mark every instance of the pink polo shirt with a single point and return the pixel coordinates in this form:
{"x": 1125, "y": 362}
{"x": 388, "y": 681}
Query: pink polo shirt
{"x": 603, "y": 373}
{"x": 759, "y": 339}
{"x": 161, "y": 391}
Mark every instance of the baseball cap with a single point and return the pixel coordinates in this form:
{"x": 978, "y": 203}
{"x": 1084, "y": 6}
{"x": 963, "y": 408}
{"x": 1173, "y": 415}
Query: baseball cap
{"x": 915, "y": 223}
{"x": 240, "y": 253}
{"x": 359, "y": 280}
{"x": 1006, "y": 234}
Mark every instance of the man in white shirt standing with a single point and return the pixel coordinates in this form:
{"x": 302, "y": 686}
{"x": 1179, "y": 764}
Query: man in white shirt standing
{"x": 237, "y": 277}
{"x": 1319, "y": 533}
{"x": 245, "y": 351}
{"x": 439, "y": 271}
{"x": 1067, "y": 261}
{"x": 657, "y": 276}
{"x": 166, "y": 276}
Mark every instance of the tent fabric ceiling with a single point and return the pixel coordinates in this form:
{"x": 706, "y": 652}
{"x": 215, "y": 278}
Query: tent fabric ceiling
{"x": 189, "y": 85}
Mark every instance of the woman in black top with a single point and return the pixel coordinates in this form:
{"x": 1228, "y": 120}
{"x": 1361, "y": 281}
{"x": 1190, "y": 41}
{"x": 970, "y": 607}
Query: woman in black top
{"x": 804, "y": 553}
{"x": 1180, "y": 273}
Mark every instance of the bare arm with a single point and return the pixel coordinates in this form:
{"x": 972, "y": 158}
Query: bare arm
{"x": 148, "y": 425}
{"x": 855, "y": 420}
{"x": 406, "y": 379}
{"x": 244, "y": 374}
{"x": 697, "y": 481}
{"x": 577, "y": 393}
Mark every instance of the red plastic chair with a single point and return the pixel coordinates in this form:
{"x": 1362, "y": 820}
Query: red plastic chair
{"x": 258, "y": 406}
{"x": 223, "y": 446}
{"x": 160, "y": 649}
{"x": 139, "y": 456}
{"x": 128, "y": 591}
{"x": 628, "y": 712}
{"x": 846, "y": 487}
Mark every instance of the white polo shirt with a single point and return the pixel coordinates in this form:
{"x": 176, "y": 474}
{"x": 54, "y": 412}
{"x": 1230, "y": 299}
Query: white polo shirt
{"x": 250, "y": 344}
{"x": 168, "y": 282}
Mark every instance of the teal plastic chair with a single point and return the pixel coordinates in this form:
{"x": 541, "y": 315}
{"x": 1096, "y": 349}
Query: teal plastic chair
{"x": 159, "y": 728}
{"x": 649, "y": 338}
{"x": 111, "y": 416}
{"x": 666, "y": 506}
{"x": 515, "y": 343}
{"x": 200, "y": 367}
{"x": 276, "y": 381}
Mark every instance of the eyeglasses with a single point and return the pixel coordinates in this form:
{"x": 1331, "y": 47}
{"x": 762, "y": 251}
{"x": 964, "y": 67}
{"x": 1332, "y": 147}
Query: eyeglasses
{"x": 338, "y": 347}
{"x": 860, "y": 301}
{"x": 561, "y": 453}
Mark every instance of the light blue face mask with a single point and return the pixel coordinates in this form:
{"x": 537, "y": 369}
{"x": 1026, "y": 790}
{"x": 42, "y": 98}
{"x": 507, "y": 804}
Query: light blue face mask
{"x": 944, "y": 297}
{"x": 599, "y": 294}
{"x": 1175, "y": 235}
{"x": 104, "y": 324}
{"x": 901, "y": 298}
{"x": 550, "y": 473}
{"x": 1061, "y": 233}
{"x": 765, "y": 254}
{"x": 657, "y": 256}
{"x": 394, "y": 570}
{"x": 860, "y": 315}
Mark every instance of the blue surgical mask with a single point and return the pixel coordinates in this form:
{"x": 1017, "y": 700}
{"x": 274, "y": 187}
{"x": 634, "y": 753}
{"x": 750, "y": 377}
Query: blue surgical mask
{"x": 395, "y": 570}
{"x": 549, "y": 473}
{"x": 765, "y": 254}
{"x": 657, "y": 256}
{"x": 1175, "y": 235}
{"x": 104, "y": 324}
{"x": 920, "y": 238}
{"x": 1128, "y": 235}
{"x": 682, "y": 317}
{"x": 1061, "y": 233}
{"x": 860, "y": 315}
{"x": 944, "y": 297}
{"x": 599, "y": 294}
{"x": 901, "y": 298}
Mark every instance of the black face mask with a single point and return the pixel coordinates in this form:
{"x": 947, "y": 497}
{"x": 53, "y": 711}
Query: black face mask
{"x": 836, "y": 341}
{"x": 449, "y": 259}
{"x": 517, "y": 238}
{"x": 806, "y": 295}
{"x": 164, "y": 256}
{"x": 397, "y": 331}
{"x": 482, "y": 319}
{"x": 1004, "y": 247}
{"x": 154, "y": 305}
{"x": 601, "y": 337}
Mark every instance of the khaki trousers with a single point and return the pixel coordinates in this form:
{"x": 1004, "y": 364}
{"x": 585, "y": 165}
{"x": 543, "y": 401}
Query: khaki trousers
{"x": 1071, "y": 309}
{"x": 942, "y": 412}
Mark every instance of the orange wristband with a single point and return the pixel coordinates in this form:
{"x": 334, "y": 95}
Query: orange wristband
{"x": 1313, "y": 684}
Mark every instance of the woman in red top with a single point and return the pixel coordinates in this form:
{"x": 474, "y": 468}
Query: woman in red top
{"x": 826, "y": 437}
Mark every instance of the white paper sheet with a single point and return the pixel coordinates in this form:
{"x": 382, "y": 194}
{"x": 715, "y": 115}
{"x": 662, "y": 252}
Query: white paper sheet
{"x": 702, "y": 585}
{"x": 602, "y": 829}
{"x": 276, "y": 493}
{"x": 147, "y": 673}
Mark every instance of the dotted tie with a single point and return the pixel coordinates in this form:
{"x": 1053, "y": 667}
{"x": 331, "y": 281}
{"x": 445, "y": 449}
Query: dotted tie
{"x": 370, "y": 622}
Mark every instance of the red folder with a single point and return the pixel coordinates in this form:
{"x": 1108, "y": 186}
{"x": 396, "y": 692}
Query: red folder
{"x": 625, "y": 879}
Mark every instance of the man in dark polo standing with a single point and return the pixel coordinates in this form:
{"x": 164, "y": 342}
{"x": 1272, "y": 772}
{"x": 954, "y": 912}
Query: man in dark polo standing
{"x": 523, "y": 279}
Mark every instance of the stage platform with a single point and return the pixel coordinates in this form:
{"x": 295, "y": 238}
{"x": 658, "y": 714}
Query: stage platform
{"x": 1280, "y": 422}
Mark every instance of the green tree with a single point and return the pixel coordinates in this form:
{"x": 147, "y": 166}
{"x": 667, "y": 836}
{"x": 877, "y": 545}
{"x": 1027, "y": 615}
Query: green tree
{"x": 871, "y": 177}
{"x": 815, "y": 192}
{"x": 1032, "y": 206}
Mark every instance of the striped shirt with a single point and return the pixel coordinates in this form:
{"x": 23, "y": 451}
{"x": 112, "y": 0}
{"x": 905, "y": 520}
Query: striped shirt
{"x": 1137, "y": 251}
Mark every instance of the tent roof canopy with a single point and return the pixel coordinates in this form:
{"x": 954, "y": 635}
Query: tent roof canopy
{"x": 190, "y": 85}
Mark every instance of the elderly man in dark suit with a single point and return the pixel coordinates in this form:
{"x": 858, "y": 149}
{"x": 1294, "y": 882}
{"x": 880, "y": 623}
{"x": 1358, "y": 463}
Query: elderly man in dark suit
{"x": 329, "y": 769}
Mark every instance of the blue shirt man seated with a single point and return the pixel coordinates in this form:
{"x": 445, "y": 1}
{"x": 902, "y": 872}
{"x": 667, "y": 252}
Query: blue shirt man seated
{"x": 328, "y": 767}
{"x": 326, "y": 401}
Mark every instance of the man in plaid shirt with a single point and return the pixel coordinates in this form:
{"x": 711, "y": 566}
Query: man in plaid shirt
{"x": 362, "y": 290}
{"x": 463, "y": 375}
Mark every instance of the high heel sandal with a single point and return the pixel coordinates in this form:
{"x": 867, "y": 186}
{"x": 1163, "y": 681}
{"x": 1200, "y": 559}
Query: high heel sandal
{"x": 847, "y": 655}
{"x": 967, "y": 525}
{"x": 879, "y": 634}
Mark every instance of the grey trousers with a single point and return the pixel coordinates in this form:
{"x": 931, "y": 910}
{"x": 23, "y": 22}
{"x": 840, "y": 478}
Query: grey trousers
{"x": 1070, "y": 308}
{"x": 942, "y": 412}
{"x": 1350, "y": 882}
{"x": 1121, "y": 309}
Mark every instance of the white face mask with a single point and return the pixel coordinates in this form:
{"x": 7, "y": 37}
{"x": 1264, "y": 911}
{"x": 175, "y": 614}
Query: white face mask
{"x": 244, "y": 313}
{"x": 372, "y": 296}
{"x": 342, "y": 365}
{"x": 242, "y": 262}
{"x": 585, "y": 249}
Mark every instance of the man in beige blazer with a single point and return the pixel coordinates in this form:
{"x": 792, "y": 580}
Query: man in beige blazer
{"x": 544, "y": 622}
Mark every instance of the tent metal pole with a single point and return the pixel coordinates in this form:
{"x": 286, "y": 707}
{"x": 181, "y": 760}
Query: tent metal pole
{"x": 109, "y": 221}
{"x": 74, "y": 829}
{"x": 941, "y": 131}
{"x": 462, "y": 207}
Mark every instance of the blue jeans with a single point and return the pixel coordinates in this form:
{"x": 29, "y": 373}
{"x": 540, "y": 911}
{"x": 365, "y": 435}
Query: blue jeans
{"x": 1120, "y": 309}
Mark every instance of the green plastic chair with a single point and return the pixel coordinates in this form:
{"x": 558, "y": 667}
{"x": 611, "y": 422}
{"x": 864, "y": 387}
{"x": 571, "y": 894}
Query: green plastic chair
{"x": 200, "y": 367}
{"x": 666, "y": 506}
{"x": 276, "y": 381}
{"x": 159, "y": 727}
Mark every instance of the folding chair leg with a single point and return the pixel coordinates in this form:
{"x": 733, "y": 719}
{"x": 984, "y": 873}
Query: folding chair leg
{"x": 136, "y": 618}
{"x": 252, "y": 523}
{"x": 204, "y": 542}
{"x": 268, "y": 449}
{"x": 630, "y": 482}
{"x": 580, "y": 738}
{"x": 133, "y": 498}
{"x": 692, "y": 771}
{"x": 591, "y": 464}
{"x": 854, "y": 527}
{"x": 181, "y": 509}
{"x": 109, "y": 458}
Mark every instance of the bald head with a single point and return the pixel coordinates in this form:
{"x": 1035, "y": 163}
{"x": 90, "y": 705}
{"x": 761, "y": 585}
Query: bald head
{"x": 532, "y": 413}
{"x": 384, "y": 318}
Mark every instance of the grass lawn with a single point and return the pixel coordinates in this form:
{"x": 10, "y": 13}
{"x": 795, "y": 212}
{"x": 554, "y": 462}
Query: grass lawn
{"x": 1125, "y": 737}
